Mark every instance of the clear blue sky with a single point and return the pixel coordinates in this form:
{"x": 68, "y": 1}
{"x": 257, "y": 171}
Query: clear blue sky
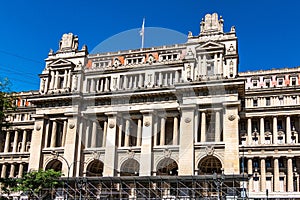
{"x": 268, "y": 30}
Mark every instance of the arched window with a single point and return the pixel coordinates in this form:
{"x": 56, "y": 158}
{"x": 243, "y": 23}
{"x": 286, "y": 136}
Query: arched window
{"x": 130, "y": 167}
{"x": 209, "y": 165}
{"x": 167, "y": 167}
{"x": 95, "y": 168}
{"x": 55, "y": 165}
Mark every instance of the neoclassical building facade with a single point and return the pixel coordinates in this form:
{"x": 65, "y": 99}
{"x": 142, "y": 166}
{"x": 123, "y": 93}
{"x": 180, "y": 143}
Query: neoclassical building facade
{"x": 180, "y": 112}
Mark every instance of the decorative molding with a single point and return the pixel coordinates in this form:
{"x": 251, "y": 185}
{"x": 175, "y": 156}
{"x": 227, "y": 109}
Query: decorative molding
{"x": 209, "y": 150}
{"x": 167, "y": 153}
{"x": 187, "y": 120}
{"x": 71, "y": 125}
{"x": 111, "y": 125}
{"x": 130, "y": 154}
{"x": 38, "y": 127}
{"x": 231, "y": 117}
{"x": 147, "y": 123}
{"x": 96, "y": 155}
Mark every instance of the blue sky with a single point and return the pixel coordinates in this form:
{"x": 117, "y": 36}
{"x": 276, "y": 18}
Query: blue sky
{"x": 268, "y": 31}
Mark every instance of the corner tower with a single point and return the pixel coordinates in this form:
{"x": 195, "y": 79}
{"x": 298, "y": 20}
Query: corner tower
{"x": 212, "y": 53}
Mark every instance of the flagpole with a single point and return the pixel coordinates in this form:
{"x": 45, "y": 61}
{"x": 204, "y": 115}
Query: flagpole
{"x": 142, "y": 33}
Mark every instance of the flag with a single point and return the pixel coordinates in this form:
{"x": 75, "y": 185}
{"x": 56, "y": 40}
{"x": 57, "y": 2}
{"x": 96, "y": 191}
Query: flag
{"x": 142, "y": 31}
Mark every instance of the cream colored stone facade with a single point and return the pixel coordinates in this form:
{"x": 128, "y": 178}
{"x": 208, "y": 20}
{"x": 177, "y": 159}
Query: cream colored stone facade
{"x": 181, "y": 110}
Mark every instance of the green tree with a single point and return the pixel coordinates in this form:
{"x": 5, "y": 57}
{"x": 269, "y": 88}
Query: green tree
{"x": 8, "y": 186}
{"x": 34, "y": 182}
{"x": 6, "y": 102}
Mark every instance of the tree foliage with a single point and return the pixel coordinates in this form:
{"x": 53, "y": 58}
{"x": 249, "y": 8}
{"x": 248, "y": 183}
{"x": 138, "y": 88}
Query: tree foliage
{"x": 6, "y": 101}
{"x": 35, "y": 181}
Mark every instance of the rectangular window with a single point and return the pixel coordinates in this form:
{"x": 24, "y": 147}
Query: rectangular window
{"x": 268, "y": 83}
{"x": 255, "y": 102}
{"x": 255, "y": 83}
{"x": 293, "y": 81}
{"x": 294, "y": 100}
{"x": 280, "y": 81}
{"x": 268, "y": 101}
{"x": 210, "y": 69}
{"x": 281, "y": 100}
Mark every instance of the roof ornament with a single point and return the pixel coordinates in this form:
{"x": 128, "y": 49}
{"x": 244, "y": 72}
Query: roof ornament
{"x": 211, "y": 24}
{"x": 68, "y": 42}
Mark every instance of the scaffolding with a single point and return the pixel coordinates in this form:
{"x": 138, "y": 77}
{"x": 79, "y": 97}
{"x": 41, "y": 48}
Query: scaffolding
{"x": 151, "y": 187}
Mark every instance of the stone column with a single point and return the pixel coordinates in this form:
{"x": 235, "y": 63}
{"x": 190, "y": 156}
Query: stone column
{"x": 101, "y": 85}
{"x": 139, "y": 133}
{"x": 175, "y": 131}
{"x": 53, "y": 136}
{"x": 52, "y": 80}
{"x": 176, "y": 77}
{"x": 92, "y": 89}
{"x": 203, "y": 126}
{"x": 65, "y": 79}
{"x": 186, "y": 142}
{"x": 141, "y": 80}
{"x": 130, "y": 82}
{"x": 217, "y": 126}
{"x": 275, "y": 136}
{"x": 3, "y": 170}
{"x": 288, "y": 130}
{"x": 15, "y": 145}
{"x": 249, "y": 131}
{"x": 162, "y": 131}
{"x": 94, "y": 135}
{"x": 104, "y": 133}
{"x": 110, "y": 148}
{"x": 56, "y": 80}
{"x": 146, "y": 148}
{"x": 127, "y": 133}
{"x": 69, "y": 79}
{"x": 120, "y": 131}
{"x": 196, "y": 119}
{"x": 21, "y": 168}
{"x": 290, "y": 187}
{"x": 7, "y": 142}
{"x": 47, "y": 132}
{"x": 276, "y": 175}
{"x": 159, "y": 79}
{"x": 262, "y": 130}
{"x": 216, "y": 69}
{"x": 155, "y": 129}
{"x": 171, "y": 79}
{"x": 250, "y": 171}
{"x": 24, "y": 141}
{"x": 125, "y": 83}
{"x": 87, "y": 134}
{"x": 166, "y": 79}
{"x": 263, "y": 174}
{"x": 106, "y": 84}
{"x": 65, "y": 128}
{"x": 12, "y": 170}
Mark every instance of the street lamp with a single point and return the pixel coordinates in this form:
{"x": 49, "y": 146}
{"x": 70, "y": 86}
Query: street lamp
{"x": 218, "y": 181}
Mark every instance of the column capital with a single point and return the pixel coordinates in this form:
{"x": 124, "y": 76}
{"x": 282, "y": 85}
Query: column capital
{"x": 263, "y": 157}
{"x": 188, "y": 107}
{"x": 290, "y": 156}
{"x": 111, "y": 113}
{"x": 148, "y": 111}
